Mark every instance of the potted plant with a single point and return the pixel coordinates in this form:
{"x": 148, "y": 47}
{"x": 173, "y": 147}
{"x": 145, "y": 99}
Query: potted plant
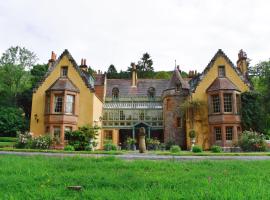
{"x": 192, "y": 135}
{"x": 131, "y": 143}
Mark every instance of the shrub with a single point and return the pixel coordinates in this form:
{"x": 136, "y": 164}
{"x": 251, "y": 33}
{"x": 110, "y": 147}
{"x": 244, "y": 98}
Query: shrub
{"x": 175, "y": 149}
{"x": 130, "y": 143}
{"x": 24, "y": 140}
{"x": 169, "y": 144}
{"x": 109, "y": 146}
{"x": 69, "y": 148}
{"x": 82, "y": 138}
{"x": 252, "y": 141}
{"x": 196, "y": 149}
{"x": 216, "y": 149}
{"x": 41, "y": 142}
{"x": 152, "y": 144}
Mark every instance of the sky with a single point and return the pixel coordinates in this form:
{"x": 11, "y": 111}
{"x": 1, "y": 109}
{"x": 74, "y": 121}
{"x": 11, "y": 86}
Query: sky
{"x": 119, "y": 31}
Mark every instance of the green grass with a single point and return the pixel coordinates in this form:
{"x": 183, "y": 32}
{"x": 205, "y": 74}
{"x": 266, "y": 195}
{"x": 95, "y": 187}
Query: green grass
{"x": 6, "y": 144}
{"x": 8, "y": 139}
{"x": 109, "y": 178}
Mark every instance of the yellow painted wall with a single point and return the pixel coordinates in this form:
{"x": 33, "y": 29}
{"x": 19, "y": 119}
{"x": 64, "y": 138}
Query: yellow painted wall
{"x": 86, "y": 99}
{"x": 201, "y": 120}
{"x": 97, "y": 114}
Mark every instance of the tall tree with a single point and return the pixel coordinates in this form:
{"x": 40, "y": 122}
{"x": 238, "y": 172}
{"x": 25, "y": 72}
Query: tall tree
{"x": 18, "y": 56}
{"x": 112, "y": 72}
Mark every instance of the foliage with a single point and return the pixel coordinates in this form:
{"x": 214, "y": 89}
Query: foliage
{"x": 162, "y": 75}
{"x": 69, "y": 148}
{"x": 252, "y": 111}
{"x": 37, "y": 73}
{"x": 23, "y": 140}
{"x": 8, "y": 139}
{"x": 11, "y": 121}
{"x": 109, "y": 146}
{"x": 169, "y": 144}
{"x": 216, "y": 149}
{"x": 152, "y": 144}
{"x": 82, "y": 138}
{"x": 130, "y": 141}
{"x": 18, "y": 56}
{"x": 175, "y": 149}
{"x": 196, "y": 149}
{"x": 252, "y": 141}
{"x": 192, "y": 134}
{"x": 112, "y": 72}
{"x": 41, "y": 142}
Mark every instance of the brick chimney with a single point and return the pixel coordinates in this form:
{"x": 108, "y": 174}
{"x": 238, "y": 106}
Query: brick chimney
{"x": 243, "y": 62}
{"x": 83, "y": 65}
{"x": 134, "y": 75}
{"x": 52, "y": 60}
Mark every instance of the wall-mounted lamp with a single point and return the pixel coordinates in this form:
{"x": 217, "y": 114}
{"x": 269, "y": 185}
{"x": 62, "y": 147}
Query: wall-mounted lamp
{"x": 36, "y": 118}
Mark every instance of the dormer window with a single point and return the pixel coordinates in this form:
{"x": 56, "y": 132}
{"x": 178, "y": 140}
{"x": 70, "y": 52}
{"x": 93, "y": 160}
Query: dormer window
{"x": 221, "y": 71}
{"x": 64, "y": 71}
{"x": 151, "y": 93}
{"x": 115, "y": 93}
{"x": 178, "y": 86}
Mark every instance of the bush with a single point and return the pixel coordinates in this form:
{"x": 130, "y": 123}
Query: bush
{"x": 82, "y": 138}
{"x": 152, "y": 144}
{"x": 41, "y": 142}
{"x": 175, "y": 149}
{"x": 216, "y": 149}
{"x": 23, "y": 140}
{"x": 196, "y": 149}
{"x": 69, "y": 148}
{"x": 109, "y": 146}
{"x": 169, "y": 144}
{"x": 252, "y": 141}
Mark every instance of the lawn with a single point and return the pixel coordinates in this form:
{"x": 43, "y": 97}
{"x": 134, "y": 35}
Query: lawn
{"x": 110, "y": 178}
{"x": 7, "y": 141}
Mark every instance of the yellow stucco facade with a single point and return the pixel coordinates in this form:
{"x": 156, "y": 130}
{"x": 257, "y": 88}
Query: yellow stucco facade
{"x": 201, "y": 125}
{"x": 88, "y": 106}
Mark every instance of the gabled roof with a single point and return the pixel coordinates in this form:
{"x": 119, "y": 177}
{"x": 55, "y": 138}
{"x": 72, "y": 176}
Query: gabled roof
{"x": 125, "y": 88}
{"x": 222, "y": 83}
{"x": 177, "y": 79}
{"x": 83, "y": 75}
{"x": 63, "y": 83}
{"x": 196, "y": 80}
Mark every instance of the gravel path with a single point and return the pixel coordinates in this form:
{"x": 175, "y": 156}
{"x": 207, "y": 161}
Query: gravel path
{"x": 137, "y": 156}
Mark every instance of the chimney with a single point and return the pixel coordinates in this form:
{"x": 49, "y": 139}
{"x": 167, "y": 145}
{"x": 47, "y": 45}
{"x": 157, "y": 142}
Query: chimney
{"x": 52, "y": 60}
{"x": 83, "y": 65}
{"x": 243, "y": 62}
{"x": 134, "y": 75}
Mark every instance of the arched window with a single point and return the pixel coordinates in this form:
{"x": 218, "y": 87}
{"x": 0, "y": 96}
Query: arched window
{"x": 151, "y": 92}
{"x": 115, "y": 93}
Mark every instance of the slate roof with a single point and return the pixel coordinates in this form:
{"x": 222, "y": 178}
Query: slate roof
{"x": 63, "y": 84}
{"x": 125, "y": 89}
{"x": 196, "y": 80}
{"x": 222, "y": 84}
{"x": 99, "y": 79}
{"x": 177, "y": 79}
{"x": 84, "y": 75}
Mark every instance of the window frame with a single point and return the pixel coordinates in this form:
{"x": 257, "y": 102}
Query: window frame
{"x": 229, "y": 135}
{"x": 221, "y": 71}
{"x": 72, "y": 103}
{"x": 219, "y": 133}
{"x": 56, "y": 103}
{"x": 227, "y": 104}
{"x": 215, "y": 103}
{"x": 64, "y": 71}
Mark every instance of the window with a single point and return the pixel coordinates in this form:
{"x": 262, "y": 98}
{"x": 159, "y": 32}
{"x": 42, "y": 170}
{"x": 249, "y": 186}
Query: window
{"x": 68, "y": 128}
{"x": 178, "y": 122}
{"x": 178, "y": 86}
{"x": 70, "y": 104}
{"x": 227, "y": 102}
{"x": 115, "y": 93}
{"x": 108, "y": 135}
{"x": 105, "y": 116}
{"x": 64, "y": 71}
{"x": 122, "y": 116}
{"x": 216, "y": 103}
{"x": 141, "y": 115}
{"x": 58, "y": 104}
{"x": 151, "y": 93}
{"x": 238, "y": 103}
{"x": 56, "y": 131}
{"x": 229, "y": 133}
{"x": 221, "y": 71}
{"x": 218, "y": 134}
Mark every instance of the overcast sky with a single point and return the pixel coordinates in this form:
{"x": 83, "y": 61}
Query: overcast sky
{"x": 120, "y": 31}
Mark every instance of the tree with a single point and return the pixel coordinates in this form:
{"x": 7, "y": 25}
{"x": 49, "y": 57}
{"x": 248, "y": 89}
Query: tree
{"x": 37, "y": 73}
{"x": 18, "y": 56}
{"x": 112, "y": 72}
{"x": 11, "y": 121}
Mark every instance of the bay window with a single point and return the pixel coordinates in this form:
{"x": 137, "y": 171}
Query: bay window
{"x": 58, "y": 104}
{"x": 69, "y": 104}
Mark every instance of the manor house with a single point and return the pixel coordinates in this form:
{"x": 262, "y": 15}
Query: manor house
{"x": 209, "y": 102}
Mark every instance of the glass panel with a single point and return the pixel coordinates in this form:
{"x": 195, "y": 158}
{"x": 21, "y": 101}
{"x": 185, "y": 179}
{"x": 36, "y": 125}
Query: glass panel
{"x": 221, "y": 71}
{"x": 64, "y": 71}
{"x": 56, "y": 131}
{"x": 58, "y": 103}
{"x": 218, "y": 134}
{"x": 215, "y": 103}
{"x": 227, "y": 102}
{"x": 229, "y": 133}
{"x": 70, "y": 104}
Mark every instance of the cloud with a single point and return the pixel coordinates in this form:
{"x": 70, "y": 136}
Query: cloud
{"x": 119, "y": 32}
